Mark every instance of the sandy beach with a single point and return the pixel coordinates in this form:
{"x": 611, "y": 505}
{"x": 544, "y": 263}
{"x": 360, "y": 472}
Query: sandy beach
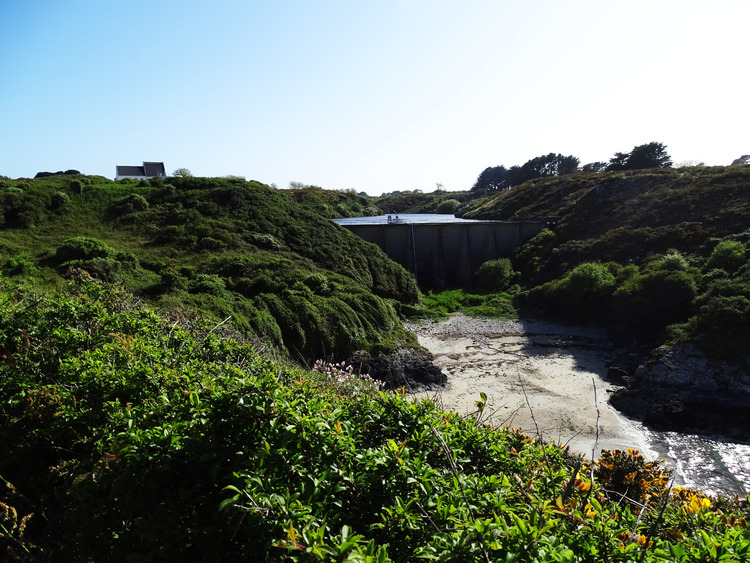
{"x": 545, "y": 378}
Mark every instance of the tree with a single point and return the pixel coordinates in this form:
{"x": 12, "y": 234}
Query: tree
{"x": 744, "y": 159}
{"x": 619, "y": 161}
{"x": 501, "y": 178}
{"x": 492, "y": 179}
{"x": 183, "y": 172}
{"x": 594, "y": 167}
{"x": 549, "y": 165}
{"x": 650, "y": 155}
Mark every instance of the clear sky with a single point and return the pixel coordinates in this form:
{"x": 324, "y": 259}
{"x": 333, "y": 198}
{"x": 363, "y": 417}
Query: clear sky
{"x": 375, "y": 95}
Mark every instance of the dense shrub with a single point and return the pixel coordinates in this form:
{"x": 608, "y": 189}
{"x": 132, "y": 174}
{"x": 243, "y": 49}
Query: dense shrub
{"x": 646, "y": 304}
{"x": 628, "y": 477}
{"x": 82, "y": 248}
{"x": 727, "y": 255}
{"x": 171, "y": 280}
{"x": 530, "y": 257}
{"x": 22, "y": 264}
{"x": 588, "y": 280}
{"x": 59, "y": 201}
{"x": 582, "y": 295}
{"x": 137, "y": 438}
{"x": 130, "y": 204}
{"x": 725, "y": 312}
{"x": 496, "y": 275}
{"x": 105, "y": 269}
{"x": 210, "y": 244}
{"x": 673, "y": 261}
{"x": 448, "y": 206}
{"x": 95, "y": 256}
{"x": 206, "y": 283}
{"x": 23, "y": 207}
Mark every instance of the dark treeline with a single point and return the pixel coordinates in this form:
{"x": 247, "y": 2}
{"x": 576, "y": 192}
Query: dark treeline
{"x": 494, "y": 178}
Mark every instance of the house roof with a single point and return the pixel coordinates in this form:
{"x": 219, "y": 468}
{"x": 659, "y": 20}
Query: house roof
{"x": 154, "y": 168}
{"x": 148, "y": 170}
{"x": 131, "y": 171}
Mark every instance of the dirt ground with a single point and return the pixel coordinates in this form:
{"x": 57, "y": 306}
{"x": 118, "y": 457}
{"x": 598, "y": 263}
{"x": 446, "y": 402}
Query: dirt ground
{"x": 545, "y": 378}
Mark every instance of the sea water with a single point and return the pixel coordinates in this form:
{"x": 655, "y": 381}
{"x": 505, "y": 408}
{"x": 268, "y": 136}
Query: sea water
{"x": 704, "y": 463}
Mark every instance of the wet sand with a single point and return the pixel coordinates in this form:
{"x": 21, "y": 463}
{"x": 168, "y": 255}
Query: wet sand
{"x": 546, "y": 378}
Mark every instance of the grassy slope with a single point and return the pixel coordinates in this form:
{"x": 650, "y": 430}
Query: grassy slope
{"x": 411, "y": 202}
{"x": 333, "y": 204}
{"x": 138, "y": 439}
{"x": 634, "y": 212}
{"x": 223, "y": 247}
{"x": 640, "y": 251}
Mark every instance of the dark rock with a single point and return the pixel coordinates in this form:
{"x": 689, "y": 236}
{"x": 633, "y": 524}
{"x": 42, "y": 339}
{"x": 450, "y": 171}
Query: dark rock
{"x": 412, "y": 368}
{"x": 618, "y": 374}
{"x": 715, "y": 417}
{"x": 680, "y": 389}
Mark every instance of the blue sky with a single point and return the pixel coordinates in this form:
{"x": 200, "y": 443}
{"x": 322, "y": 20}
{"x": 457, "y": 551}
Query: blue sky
{"x": 374, "y": 96}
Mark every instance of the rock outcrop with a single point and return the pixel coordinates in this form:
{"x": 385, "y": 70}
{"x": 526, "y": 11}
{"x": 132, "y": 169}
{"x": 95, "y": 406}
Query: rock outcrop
{"x": 680, "y": 388}
{"x": 411, "y": 368}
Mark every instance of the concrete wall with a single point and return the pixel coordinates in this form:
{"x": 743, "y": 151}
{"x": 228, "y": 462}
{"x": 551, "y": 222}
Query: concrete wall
{"x": 447, "y": 254}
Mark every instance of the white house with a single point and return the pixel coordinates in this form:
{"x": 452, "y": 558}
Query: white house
{"x": 148, "y": 170}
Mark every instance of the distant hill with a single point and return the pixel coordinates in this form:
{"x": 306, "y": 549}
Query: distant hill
{"x": 281, "y": 270}
{"x": 629, "y": 214}
{"x": 418, "y": 202}
{"x": 634, "y": 219}
{"x": 333, "y": 204}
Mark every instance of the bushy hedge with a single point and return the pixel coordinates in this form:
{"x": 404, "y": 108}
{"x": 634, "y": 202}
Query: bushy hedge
{"x": 496, "y": 275}
{"x": 140, "y": 438}
{"x": 226, "y": 247}
{"x": 94, "y": 256}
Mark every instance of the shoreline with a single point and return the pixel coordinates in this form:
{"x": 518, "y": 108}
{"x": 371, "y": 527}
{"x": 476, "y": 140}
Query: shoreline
{"x": 546, "y": 378}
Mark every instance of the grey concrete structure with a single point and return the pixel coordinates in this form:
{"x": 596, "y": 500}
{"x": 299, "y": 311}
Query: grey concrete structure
{"x": 447, "y": 254}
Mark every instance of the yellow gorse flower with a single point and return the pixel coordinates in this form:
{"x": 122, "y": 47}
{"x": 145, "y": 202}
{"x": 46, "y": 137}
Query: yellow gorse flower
{"x": 696, "y": 504}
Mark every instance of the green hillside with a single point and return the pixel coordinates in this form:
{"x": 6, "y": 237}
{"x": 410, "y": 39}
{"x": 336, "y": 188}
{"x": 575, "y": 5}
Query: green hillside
{"x": 282, "y": 271}
{"x": 131, "y": 437}
{"x": 141, "y": 418}
{"x": 661, "y": 257}
{"x": 333, "y": 204}
{"x": 639, "y": 251}
{"x": 629, "y": 214}
{"x": 418, "y": 202}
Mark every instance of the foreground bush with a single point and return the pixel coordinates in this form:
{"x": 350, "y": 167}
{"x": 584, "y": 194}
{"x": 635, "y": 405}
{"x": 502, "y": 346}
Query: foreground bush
{"x": 135, "y": 438}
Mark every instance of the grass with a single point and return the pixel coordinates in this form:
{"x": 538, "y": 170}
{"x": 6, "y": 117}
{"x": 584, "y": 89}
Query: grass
{"x": 437, "y": 305}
